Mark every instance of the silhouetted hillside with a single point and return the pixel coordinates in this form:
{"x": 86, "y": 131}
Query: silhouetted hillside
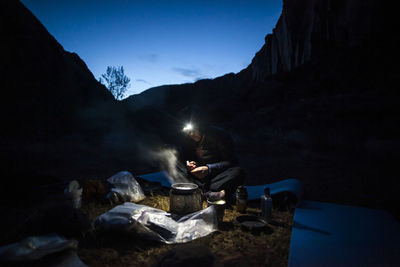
{"x": 57, "y": 119}
{"x": 46, "y": 90}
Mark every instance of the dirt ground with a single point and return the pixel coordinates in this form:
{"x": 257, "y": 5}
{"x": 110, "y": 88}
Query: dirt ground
{"x": 232, "y": 245}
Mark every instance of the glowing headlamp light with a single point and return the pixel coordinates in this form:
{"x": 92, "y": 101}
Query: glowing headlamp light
{"x": 188, "y": 127}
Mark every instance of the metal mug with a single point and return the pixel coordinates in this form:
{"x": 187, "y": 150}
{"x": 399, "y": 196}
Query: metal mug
{"x": 219, "y": 208}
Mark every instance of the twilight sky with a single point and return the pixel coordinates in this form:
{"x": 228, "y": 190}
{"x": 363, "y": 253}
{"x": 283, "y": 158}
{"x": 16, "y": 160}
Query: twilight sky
{"x": 160, "y": 42}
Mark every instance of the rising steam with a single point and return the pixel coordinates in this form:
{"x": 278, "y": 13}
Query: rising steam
{"x": 167, "y": 159}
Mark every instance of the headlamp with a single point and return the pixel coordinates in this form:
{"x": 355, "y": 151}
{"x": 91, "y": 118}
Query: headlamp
{"x": 188, "y": 127}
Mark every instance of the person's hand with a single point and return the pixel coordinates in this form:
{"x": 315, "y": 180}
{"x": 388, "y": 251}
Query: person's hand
{"x": 190, "y": 165}
{"x": 200, "y": 172}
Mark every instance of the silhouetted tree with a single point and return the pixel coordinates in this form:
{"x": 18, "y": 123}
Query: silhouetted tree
{"x": 116, "y": 81}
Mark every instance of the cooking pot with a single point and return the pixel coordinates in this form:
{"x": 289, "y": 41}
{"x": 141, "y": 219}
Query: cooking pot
{"x": 185, "y": 198}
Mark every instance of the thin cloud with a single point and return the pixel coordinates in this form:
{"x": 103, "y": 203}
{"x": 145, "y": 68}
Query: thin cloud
{"x": 142, "y": 81}
{"x": 152, "y": 58}
{"x": 192, "y": 73}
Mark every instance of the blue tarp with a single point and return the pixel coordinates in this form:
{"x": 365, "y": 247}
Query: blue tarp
{"x": 325, "y": 234}
{"x": 161, "y": 177}
{"x": 289, "y": 185}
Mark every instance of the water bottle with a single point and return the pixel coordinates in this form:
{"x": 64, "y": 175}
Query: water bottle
{"x": 266, "y": 204}
{"x": 241, "y": 199}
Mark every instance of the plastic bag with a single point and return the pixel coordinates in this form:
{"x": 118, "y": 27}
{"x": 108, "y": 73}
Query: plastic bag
{"x": 155, "y": 224}
{"x": 73, "y": 193}
{"x": 36, "y": 247}
{"x": 126, "y": 186}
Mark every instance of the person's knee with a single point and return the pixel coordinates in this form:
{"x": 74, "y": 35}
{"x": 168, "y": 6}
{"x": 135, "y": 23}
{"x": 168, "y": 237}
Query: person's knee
{"x": 228, "y": 180}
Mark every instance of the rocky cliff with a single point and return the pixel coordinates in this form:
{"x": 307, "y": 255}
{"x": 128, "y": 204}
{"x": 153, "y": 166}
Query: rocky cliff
{"x": 309, "y": 30}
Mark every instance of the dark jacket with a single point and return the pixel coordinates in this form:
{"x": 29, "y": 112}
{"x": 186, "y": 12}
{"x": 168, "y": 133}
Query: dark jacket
{"x": 215, "y": 150}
